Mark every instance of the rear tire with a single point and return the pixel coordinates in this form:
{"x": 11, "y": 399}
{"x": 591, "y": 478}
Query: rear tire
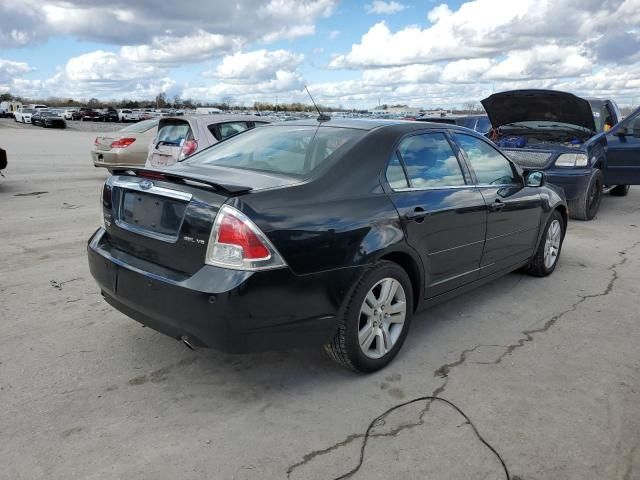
{"x": 368, "y": 338}
{"x": 586, "y": 206}
{"x": 544, "y": 261}
{"x": 620, "y": 190}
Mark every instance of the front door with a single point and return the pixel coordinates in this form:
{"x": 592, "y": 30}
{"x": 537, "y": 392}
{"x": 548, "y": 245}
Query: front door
{"x": 444, "y": 214}
{"x": 514, "y": 211}
{"x": 623, "y": 152}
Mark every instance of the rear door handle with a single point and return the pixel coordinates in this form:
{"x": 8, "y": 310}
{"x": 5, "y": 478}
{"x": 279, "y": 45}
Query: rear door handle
{"x": 496, "y": 206}
{"x": 417, "y": 215}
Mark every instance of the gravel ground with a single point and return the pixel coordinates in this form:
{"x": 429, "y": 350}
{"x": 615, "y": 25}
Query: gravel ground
{"x": 547, "y": 369}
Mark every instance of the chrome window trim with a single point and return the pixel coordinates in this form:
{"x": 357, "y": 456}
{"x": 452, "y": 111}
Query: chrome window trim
{"x": 420, "y": 189}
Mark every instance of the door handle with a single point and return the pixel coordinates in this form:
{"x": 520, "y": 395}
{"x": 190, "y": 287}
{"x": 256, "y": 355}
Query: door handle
{"x": 496, "y": 206}
{"x": 417, "y": 215}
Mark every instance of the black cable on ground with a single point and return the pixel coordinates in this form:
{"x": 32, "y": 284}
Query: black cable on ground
{"x": 415, "y": 400}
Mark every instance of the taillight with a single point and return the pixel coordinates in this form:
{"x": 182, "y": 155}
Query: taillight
{"x": 236, "y": 242}
{"x": 122, "y": 142}
{"x": 188, "y": 147}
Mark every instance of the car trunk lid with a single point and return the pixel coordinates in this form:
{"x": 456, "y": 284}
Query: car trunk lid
{"x": 166, "y": 217}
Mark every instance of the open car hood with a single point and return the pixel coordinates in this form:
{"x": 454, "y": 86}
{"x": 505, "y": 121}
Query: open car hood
{"x": 538, "y": 105}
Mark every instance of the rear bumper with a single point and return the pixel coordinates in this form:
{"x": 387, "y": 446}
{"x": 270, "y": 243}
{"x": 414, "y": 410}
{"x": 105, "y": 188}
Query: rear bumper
{"x": 114, "y": 158}
{"x": 573, "y": 181}
{"x": 229, "y": 310}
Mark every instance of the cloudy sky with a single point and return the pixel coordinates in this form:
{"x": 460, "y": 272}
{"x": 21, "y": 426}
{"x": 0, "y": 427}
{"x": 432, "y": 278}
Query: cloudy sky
{"x": 351, "y": 53}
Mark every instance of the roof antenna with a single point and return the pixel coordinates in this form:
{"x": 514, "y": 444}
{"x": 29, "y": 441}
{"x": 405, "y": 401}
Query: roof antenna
{"x": 321, "y": 116}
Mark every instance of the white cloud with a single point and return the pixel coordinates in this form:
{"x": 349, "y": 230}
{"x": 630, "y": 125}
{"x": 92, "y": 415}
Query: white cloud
{"x": 10, "y": 70}
{"x": 483, "y": 28}
{"x": 384, "y": 8}
{"x": 101, "y": 66}
{"x": 255, "y": 66}
{"x": 196, "y": 47}
{"x": 333, "y": 34}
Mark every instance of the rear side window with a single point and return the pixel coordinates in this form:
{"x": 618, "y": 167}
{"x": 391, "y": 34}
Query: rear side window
{"x": 395, "y": 174}
{"x": 173, "y": 133}
{"x": 430, "y": 161}
{"x": 228, "y": 129}
{"x": 294, "y": 150}
{"x": 491, "y": 167}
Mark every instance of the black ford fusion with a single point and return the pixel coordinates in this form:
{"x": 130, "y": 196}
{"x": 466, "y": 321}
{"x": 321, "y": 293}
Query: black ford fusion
{"x": 320, "y": 233}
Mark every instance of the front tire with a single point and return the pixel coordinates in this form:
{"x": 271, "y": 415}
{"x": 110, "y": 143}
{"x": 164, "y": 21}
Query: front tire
{"x": 586, "y": 206}
{"x": 546, "y": 257}
{"x": 620, "y": 190}
{"x": 376, "y": 320}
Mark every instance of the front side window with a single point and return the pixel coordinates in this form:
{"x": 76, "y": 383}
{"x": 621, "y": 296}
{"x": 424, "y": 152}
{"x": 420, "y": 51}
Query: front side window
{"x": 430, "y": 161}
{"x": 491, "y": 167}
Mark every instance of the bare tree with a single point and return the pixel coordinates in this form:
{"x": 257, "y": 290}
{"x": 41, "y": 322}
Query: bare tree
{"x": 227, "y": 101}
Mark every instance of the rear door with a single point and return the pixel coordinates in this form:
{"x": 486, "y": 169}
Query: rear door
{"x": 166, "y": 147}
{"x": 623, "y": 152}
{"x": 444, "y": 214}
{"x": 514, "y": 210}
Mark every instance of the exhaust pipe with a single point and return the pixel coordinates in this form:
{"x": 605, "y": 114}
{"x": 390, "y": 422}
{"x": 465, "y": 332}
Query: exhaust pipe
{"x": 188, "y": 342}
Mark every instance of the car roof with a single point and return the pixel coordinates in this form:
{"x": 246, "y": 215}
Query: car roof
{"x": 373, "y": 124}
{"x": 357, "y": 123}
{"x": 216, "y": 118}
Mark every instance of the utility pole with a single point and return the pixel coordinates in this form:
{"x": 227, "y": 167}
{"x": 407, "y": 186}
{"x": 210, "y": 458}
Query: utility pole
{"x": 276, "y": 104}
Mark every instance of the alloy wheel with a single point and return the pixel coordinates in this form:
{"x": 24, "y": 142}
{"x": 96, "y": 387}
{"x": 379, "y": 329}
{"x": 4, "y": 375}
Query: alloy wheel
{"x": 382, "y": 317}
{"x": 552, "y": 244}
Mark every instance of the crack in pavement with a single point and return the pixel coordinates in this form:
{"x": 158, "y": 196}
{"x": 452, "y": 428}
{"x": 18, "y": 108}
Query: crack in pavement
{"x": 528, "y": 334}
{"x": 444, "y": 370}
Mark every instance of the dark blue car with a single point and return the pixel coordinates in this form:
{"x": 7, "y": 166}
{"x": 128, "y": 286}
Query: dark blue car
{"x": 557, "y": 132}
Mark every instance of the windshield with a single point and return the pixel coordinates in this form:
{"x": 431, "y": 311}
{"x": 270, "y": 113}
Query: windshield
{"x": 545, "y": 125}
{"x": 28, "y": 110}
{"x": 141, "y": 127}
{"x": 479, "y": 124}
{"x": 293, "y": 150}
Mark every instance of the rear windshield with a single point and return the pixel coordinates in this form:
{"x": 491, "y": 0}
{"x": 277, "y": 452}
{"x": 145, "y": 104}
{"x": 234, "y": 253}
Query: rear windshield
{"x": 141, "y": 127}
{"x": 292, "y": 150}
{"x": 173, "y": 132}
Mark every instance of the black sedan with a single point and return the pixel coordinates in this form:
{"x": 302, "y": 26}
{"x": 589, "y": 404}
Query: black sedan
{"x": 48, "y": 119}
{"x": 320, "y": 233}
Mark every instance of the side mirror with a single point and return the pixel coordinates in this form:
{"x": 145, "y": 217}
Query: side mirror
{"x": 534, "y": 179}
{"x": 621, "y": 132}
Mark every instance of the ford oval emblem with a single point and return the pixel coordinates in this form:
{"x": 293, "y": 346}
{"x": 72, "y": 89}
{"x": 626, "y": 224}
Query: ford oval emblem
{"x": 146, "y": 184}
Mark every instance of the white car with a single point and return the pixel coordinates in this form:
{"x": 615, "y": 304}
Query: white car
{"x": 23, "y": 114}
{"x": 128, "y": 115}
{"x": 68, "y": 113}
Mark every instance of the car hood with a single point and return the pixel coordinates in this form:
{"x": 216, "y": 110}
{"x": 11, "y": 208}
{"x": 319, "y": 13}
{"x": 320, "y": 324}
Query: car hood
{"x": 538, "y": 105}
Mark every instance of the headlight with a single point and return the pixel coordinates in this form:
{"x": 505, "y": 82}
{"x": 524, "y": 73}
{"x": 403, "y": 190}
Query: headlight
{"x": 572, "y": 160}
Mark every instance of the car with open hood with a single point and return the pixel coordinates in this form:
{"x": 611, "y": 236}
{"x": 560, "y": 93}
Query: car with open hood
{"x": 557, "y": 132}
{"x": 327, "y": 232}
